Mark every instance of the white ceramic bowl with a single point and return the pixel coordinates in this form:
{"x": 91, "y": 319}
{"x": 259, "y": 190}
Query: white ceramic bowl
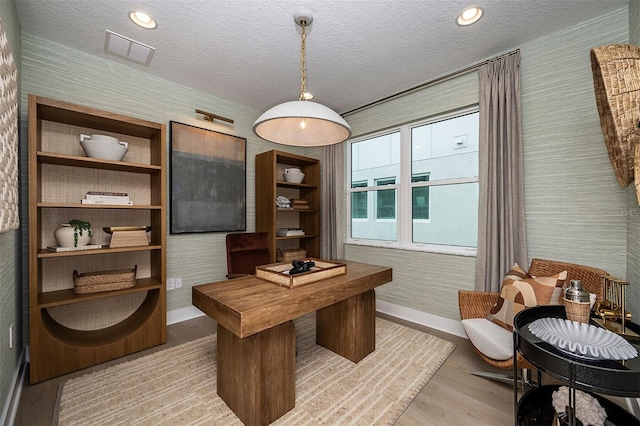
{"x": 294, "y": 177}
{"x": 100, "y": 138}
{"x": 105, "y": 150}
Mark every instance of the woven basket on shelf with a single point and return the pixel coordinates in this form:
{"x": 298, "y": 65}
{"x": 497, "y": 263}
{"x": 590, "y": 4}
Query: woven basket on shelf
{"x": 577, "y": 311}
{"x": 616, "y": 80}
{"x": 94, "y": 282}
{"x": 288, "y": 255}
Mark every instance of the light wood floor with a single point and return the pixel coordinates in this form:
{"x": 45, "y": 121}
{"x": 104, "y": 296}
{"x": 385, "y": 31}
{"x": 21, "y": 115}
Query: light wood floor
{"x": 452, "y": 397}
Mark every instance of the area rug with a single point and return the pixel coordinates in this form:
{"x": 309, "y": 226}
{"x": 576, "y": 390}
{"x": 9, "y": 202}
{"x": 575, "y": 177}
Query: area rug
{"x": 177, "y": 386}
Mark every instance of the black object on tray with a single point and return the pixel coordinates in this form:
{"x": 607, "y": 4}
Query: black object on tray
{"x": 300, "y": 266}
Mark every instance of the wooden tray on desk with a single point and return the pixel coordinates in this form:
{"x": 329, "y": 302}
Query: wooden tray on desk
{"x": 278, "y": 273}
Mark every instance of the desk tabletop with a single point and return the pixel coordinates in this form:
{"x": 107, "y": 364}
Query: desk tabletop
{"x": 248, "y": 305}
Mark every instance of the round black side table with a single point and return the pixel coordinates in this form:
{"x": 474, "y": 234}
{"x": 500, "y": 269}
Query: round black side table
{"x": 610, "y": 377}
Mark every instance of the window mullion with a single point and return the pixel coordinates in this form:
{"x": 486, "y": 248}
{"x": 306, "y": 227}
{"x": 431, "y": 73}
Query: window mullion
{"x": 348, "y": 191}
{"x": 404, "y": 191}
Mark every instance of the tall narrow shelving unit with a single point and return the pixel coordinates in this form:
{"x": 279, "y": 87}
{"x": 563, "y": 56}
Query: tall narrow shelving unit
{"x": 270, "y": 183}
{"x": 68, "y": 331}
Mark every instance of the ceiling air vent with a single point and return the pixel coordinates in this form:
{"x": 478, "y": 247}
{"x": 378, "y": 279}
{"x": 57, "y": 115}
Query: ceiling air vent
{"x": 127, "y": 48}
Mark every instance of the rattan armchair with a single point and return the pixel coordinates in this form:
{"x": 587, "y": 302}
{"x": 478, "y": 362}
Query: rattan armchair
{"x": 476, "y": 304}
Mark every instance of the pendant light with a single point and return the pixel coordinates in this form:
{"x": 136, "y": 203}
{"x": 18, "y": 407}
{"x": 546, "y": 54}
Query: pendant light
{"x": 302, "y": 122}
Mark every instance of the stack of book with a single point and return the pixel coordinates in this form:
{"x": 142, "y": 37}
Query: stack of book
{"x": 289, "y": 232}
{"x": 87, "y": 247}
{"x": 300, "y": 204}
{"x": 99, "y": 197}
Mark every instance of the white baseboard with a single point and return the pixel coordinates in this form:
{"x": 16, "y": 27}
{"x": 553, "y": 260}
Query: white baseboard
{"x": 13, "y": 397}
{"x": 183, "y": 314}
{"x": 428, "y": 320}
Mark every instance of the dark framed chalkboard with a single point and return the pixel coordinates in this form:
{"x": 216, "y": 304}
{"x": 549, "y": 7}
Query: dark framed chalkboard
{"x": 208, "y": 180}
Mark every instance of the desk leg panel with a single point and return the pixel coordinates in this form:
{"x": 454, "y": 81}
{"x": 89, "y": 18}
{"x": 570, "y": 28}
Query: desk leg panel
{"x": 348, "y": 328}
{"x": 256, "y": 375}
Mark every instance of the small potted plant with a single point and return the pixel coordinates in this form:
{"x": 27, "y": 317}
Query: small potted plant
{"x": 76, "y": 233}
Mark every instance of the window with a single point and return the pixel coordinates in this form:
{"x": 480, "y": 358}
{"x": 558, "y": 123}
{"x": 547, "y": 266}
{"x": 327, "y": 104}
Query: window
{"x": 423, "y": 181}
{"x": 420, "y": 198}
{"x": 358, "y": 201}
{"x": 385, "y": 199}
{"x": 375, "y": 161}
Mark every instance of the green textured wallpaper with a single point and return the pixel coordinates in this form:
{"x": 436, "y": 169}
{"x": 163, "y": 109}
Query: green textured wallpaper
{"x": 10, "y": 284}
{"x": 633, "y": 217}
{"x": 571, "y": 195}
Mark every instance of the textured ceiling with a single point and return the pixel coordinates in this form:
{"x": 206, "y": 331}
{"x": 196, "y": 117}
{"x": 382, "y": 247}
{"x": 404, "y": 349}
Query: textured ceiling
{"x": 358, "y": 51}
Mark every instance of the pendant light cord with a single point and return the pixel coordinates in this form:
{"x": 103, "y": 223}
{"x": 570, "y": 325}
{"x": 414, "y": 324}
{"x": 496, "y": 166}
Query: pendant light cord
{"x": 303, "y": 63}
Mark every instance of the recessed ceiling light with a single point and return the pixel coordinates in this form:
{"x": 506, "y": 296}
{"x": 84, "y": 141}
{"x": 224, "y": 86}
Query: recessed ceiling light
{"x": 143, "y": 19}
{"x": 470, "y": 15}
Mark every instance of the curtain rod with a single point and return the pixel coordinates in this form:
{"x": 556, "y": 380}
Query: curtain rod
{"x": 429, "y": 83}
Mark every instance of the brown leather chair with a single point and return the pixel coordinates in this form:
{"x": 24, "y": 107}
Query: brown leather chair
{"x": 245, "y": 251}
{"x": 476, "y": 304}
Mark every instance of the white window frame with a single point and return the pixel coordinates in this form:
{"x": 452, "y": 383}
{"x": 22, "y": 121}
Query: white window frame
{"x": 403, "y": 191}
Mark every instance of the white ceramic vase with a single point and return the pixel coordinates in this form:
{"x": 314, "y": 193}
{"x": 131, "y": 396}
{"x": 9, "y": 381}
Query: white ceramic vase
{"x": 64, "y": 236}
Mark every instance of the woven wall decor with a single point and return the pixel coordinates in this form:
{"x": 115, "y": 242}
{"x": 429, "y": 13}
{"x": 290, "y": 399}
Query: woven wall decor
{"x": 637, "y": 172}
{"x": 616, "y": 79}
{"x": 9, "y": 218}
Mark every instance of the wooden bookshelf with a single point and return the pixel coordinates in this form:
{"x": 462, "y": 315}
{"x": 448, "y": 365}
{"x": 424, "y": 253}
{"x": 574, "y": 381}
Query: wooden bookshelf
{"x": 270, "y": 183}
{"x": 58, "y": 173}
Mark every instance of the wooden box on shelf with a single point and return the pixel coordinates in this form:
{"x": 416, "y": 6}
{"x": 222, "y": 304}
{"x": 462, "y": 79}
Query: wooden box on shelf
{"x": 127, "y": 236}
{"x": 128, "y": 239}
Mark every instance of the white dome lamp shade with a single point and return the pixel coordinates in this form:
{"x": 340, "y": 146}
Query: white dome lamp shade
{"x": 302, "y": 122}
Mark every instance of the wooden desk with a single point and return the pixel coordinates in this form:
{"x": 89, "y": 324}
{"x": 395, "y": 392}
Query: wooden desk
{"x": 256, "y": 335}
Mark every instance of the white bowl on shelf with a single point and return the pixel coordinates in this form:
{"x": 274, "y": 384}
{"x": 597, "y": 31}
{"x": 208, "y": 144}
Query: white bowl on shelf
{"x": 99, "y": 138}
{"x": 105, "y": 150}
{"x": 294, "y": 177}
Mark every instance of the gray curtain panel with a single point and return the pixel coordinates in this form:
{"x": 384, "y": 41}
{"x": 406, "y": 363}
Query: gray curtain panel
{"x": 502, "y": 238}
{"x": 331, "y": 244}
